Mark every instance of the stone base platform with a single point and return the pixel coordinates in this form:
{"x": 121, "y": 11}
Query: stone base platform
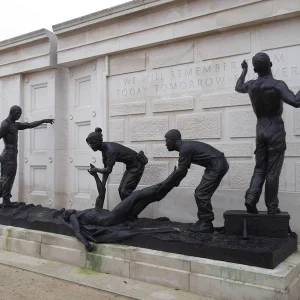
{"x": 162, "y": 235}
{"x": 221, "y": 280}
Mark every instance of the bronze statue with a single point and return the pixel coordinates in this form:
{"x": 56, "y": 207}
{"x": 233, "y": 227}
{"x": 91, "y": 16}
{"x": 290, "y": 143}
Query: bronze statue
{"x": 114, "y": 152}
{"x": 267, "y": 96}
{"x": 126, "y": 210}
{"x": 216, "y": 166}
{"x": 9, "y": 132}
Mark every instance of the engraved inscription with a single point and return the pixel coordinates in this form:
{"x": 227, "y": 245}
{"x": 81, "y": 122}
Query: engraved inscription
{"x": 201, "y": 77}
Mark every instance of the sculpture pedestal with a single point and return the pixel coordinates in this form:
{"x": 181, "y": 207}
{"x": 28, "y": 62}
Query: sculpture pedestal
{"x": 174, "y": 237}
{"x": 261, "y": 224}
{"x": 201, "y": 276}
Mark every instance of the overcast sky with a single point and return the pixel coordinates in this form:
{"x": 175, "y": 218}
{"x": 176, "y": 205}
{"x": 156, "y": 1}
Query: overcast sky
{"x": 23, "y": 16}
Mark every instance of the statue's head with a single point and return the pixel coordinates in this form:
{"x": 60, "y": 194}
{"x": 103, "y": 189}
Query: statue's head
{"x": 262, "y": 63}
{"x": 15, "y": 112}
{"x": 173, "y": 139}
{"x": 67, "y": 214}
{"x": 95, "y": 139}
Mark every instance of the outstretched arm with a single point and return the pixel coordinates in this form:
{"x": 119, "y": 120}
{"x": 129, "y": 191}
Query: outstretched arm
{"x": 22, "y": 126}
{"x": 76, "y": 227}
{"x": 287, "y": 95}
{"x": 241, "y": 86}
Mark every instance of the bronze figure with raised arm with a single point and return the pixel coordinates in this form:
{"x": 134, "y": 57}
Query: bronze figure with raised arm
{"x": 9, "y": 132}
{"x": 267, "y": 96}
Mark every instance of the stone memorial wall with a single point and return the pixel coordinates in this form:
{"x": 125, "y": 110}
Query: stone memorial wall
{"x": 136, "y": 71}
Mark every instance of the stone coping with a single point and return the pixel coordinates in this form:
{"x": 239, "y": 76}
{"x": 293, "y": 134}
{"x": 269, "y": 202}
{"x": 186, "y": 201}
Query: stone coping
{"x": 109, "y": 13}
{"x": 31, "y": 37}
{"x": 206, "y": 277}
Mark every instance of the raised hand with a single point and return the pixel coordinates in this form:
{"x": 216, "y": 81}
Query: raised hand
{"x": 244, "y": 65}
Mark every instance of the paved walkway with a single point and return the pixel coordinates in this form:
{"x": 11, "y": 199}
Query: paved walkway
{"x": 25, "y": 277}
{"x": 18, "y": 284}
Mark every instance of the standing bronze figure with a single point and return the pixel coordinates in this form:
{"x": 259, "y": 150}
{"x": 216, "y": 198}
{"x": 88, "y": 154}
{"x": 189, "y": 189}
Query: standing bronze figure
{"x": 114, "y": 152}
{"x": 216, "y": 166}
{"x": 9, "y": 132}
{"x": 267, "y": 96}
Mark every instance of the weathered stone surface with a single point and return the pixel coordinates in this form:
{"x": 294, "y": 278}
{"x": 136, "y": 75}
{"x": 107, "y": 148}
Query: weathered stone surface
{"x": 160, "y": 150}
{"x": 65, "y": 255}
{"x": 148, "y": 128}
{"x": 280, "y": 34}
{"x": 107, "y": 264}
{"x": 193, "y": 177}
{"x": 153, "y": 257}
{"x": 159, "y": 275}
{"x": 133, "y": 108}
{"x": 242, "y": 124}
{"x": 235, "y": 149}
{"x": 297, "y": 122}
{"x": 154, "y": 173}
{"x": 297, "y": 167}
{"x": 225, "y": 44}
{"x": 127, "y": 63}
{"x": 116, "y": 130}
{"x": 292, "y": 149}
{"x": 173, "y": 104}
{"x": 240, "y": 174}
{"x": 199, "y": 126}
{"x": 169, "y": 55}
{"x": 224, "y": 100}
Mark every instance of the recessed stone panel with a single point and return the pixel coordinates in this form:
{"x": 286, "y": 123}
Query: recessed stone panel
{"x": 225, "y": 44}
{"x": 296, "y": 122}
{"x": 199, "y": 126}
{"x": 39, "y": 138}
{"x": 224, "y": 100}
{"x": 297, "y": 166}
{"x": 280, "y": 34}
{"x": 170, "y": 55}
{"x": 240, "y": 174}
{"x": 137, "y": 147}
{"x": 83, "y": 91}
{"x": 292, "y": 149}
{"x": 38, "y": 180}
{"x": 235, "y": 149}
{"x": 82, "y": 130}
{"x": 154, "y": 173}
{"x": 173, "y": 104}
{"x": 132, "y": 108}
{"x": 242, "y": 124}
{"x": 82, "y": 181}
{"x": 160, "y": 150}
{"x": 282, "y": 183}
{"x": 148, "y": 128}
{"x": 116, "y": 175}
{"x": 39, "y": 96}
{"x": 127, "y": 63}
{"x": 116, "y": 130}
{"x": 193, "y": 177}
